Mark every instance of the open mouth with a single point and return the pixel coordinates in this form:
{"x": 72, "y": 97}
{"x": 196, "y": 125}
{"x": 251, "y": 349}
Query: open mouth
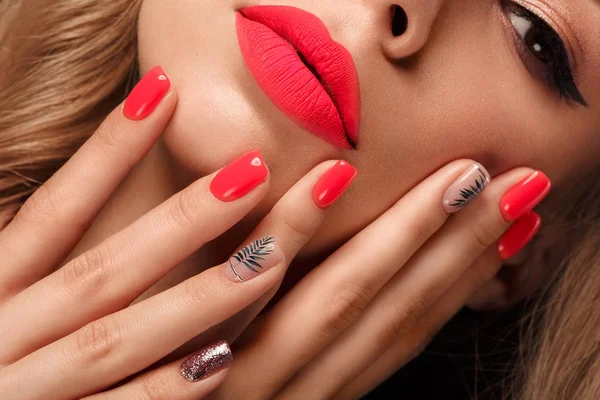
{"x": 306, "y": 74}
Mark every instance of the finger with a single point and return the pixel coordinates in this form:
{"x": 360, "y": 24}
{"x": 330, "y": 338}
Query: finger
{"x": 428, "y": 275}
{"x": 192, "y": 378}
{"x": 53, "y": 220}
{"x": 334, "y": 294}
{"x": 110, "y": 276}
{"x": 407, "y": 346}
{"x": 295, "y": 216}
{"x": 116, "y": 346}
{"x": 516, "y": 280}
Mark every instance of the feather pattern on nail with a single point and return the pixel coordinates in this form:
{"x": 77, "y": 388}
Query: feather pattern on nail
{"x": 254, "y": 253}
{"x": 468, "y": 194}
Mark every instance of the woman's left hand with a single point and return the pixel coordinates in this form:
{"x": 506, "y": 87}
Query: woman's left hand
{"x": 376, "y": 303}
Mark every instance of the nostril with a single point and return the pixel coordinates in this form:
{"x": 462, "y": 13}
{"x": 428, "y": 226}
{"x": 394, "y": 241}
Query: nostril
{"x": 399, "y": 20}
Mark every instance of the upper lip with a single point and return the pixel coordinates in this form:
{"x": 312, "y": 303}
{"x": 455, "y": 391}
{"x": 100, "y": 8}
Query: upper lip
{"x": 326, "y": 102}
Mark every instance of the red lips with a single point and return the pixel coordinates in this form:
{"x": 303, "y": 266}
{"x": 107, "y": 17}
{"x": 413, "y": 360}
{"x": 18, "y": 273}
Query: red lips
{"x": 320, "y": 93}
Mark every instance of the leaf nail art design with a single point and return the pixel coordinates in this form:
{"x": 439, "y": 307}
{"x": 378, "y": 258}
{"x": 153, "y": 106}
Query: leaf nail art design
{"x": 468, "y": 194}
{"x": 464, "y": 189}
{"x": 253, "y": 256}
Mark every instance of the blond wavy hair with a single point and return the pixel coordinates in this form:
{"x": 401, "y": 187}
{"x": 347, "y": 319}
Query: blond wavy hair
{"x": 67, "y": 63}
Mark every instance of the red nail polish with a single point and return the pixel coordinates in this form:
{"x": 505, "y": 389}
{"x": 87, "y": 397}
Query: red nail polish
{"x": 239, "y": 177}
{"x": 146, "y": 95}
{"x": 519, "y": 234}
{"x": 524, "y": 196}
{"x": 333, "y": 184}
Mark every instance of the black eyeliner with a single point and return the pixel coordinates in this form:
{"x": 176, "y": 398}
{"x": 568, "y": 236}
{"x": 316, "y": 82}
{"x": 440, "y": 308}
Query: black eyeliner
{"x": 559, "y": 65}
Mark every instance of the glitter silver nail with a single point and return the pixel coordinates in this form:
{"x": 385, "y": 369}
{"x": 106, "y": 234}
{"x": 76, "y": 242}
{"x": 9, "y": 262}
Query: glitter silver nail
{"x": 207, "y": 361}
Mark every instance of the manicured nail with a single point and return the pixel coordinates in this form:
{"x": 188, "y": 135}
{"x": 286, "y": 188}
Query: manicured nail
{"x": 146, "y": 95}
{"x": 207, "y": 361}
{"x": 467, "y": 187}
{"x": 519, "y": 235}
{"x": 524, "y": 196}
{"x": 254, "y": 259}
{"x": 239, "y": 177}
{"x": 333, "y": 184}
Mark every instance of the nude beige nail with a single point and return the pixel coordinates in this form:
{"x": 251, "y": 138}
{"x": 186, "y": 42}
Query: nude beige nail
{"x": 253, "y": 259}
{"x": 466, "y": 188}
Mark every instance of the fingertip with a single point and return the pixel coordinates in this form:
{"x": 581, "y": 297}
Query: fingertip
{"x": 333, "y": 184}
{"x": 240, "y": 177}
{"x": 147, "y": 95}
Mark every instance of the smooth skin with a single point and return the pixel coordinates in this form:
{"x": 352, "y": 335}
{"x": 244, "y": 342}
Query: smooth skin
{"x": 412, "y": 126}
{"x": 86, "y": 338}
{"x": 384, "y": 294}
{"x": 455, "y": 86}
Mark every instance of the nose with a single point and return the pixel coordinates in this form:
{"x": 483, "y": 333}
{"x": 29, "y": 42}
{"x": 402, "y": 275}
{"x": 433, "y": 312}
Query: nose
{"x": 410, "y": 24}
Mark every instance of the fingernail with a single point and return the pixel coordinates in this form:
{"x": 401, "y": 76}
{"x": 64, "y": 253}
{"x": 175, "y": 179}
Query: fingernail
{"x": 146, "y": 95}
{"x": 466, "y": 188}
{"x": 254, "y": 259}
{"x": 207, "y": 361}
{"x": 524, "y": 196}
{"x": 333, "y": 184}
{"x": 519, "y": 235}
{"x": 239, "y": 177}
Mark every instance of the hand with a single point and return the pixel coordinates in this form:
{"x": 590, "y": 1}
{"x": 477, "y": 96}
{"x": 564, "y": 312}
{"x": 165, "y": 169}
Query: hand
{"x": 69, "y": 333}
{"x": 376, "y": 302}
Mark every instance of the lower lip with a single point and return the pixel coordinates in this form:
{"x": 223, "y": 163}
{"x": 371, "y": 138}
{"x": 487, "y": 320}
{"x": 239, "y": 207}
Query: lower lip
{"x": 287, "y": 81}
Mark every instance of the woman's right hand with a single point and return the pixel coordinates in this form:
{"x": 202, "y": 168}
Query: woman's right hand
{"x": 69, "y": 333}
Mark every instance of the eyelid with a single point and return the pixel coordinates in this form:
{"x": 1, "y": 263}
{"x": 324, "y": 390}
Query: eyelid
{"x": 525, "y": 54}
{"x": 549, "y": 15}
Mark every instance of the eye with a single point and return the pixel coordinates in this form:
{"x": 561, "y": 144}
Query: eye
{"x": 543, "y": 52}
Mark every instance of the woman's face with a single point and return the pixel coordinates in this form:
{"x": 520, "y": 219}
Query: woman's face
{"x": 460, "y": 82}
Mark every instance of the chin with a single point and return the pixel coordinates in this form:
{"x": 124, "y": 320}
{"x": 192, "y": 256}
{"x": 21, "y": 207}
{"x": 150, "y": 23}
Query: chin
{"x": 199, "y": 148}
{"x": 228, "y": 106}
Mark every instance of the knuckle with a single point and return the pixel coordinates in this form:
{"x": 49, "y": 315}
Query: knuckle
{"x": 195, "y": 292}
{"x": 109, "y": 134}
{"x": 404, "y": 316}
{"x": 346, "y": 306}
{"x": 423, "y": 228}
{"x": 42, "y": 205}
{"x": 97, "y": 340}
{"x": 483, "y": 236}
{"x": 299, "y": 228}
{"x": 154, "y": 387}
{"x": 88, "y": 273}
{"x": 181, "y": 209}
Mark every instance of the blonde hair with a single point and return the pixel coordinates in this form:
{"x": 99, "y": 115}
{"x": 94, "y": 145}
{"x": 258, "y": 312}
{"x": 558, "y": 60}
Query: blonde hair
{"x": 560, "y": 349}
{"x": 67, "y": 63}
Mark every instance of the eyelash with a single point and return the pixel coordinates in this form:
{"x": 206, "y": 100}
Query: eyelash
{"x": 556, "y": 70}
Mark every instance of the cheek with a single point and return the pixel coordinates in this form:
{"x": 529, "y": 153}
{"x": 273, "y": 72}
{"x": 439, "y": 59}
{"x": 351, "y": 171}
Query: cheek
{"x": 221, "y": 112}
{"x": 203, "y": 128}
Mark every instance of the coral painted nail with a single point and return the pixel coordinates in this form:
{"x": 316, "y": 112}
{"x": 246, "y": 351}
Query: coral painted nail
{"x": 519, "y": 235}
{"x": 333, "y": 184}
{"x": 239, "y": 177}
{"x": 147, "y": 95}
{"x": 524, "y": 196}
